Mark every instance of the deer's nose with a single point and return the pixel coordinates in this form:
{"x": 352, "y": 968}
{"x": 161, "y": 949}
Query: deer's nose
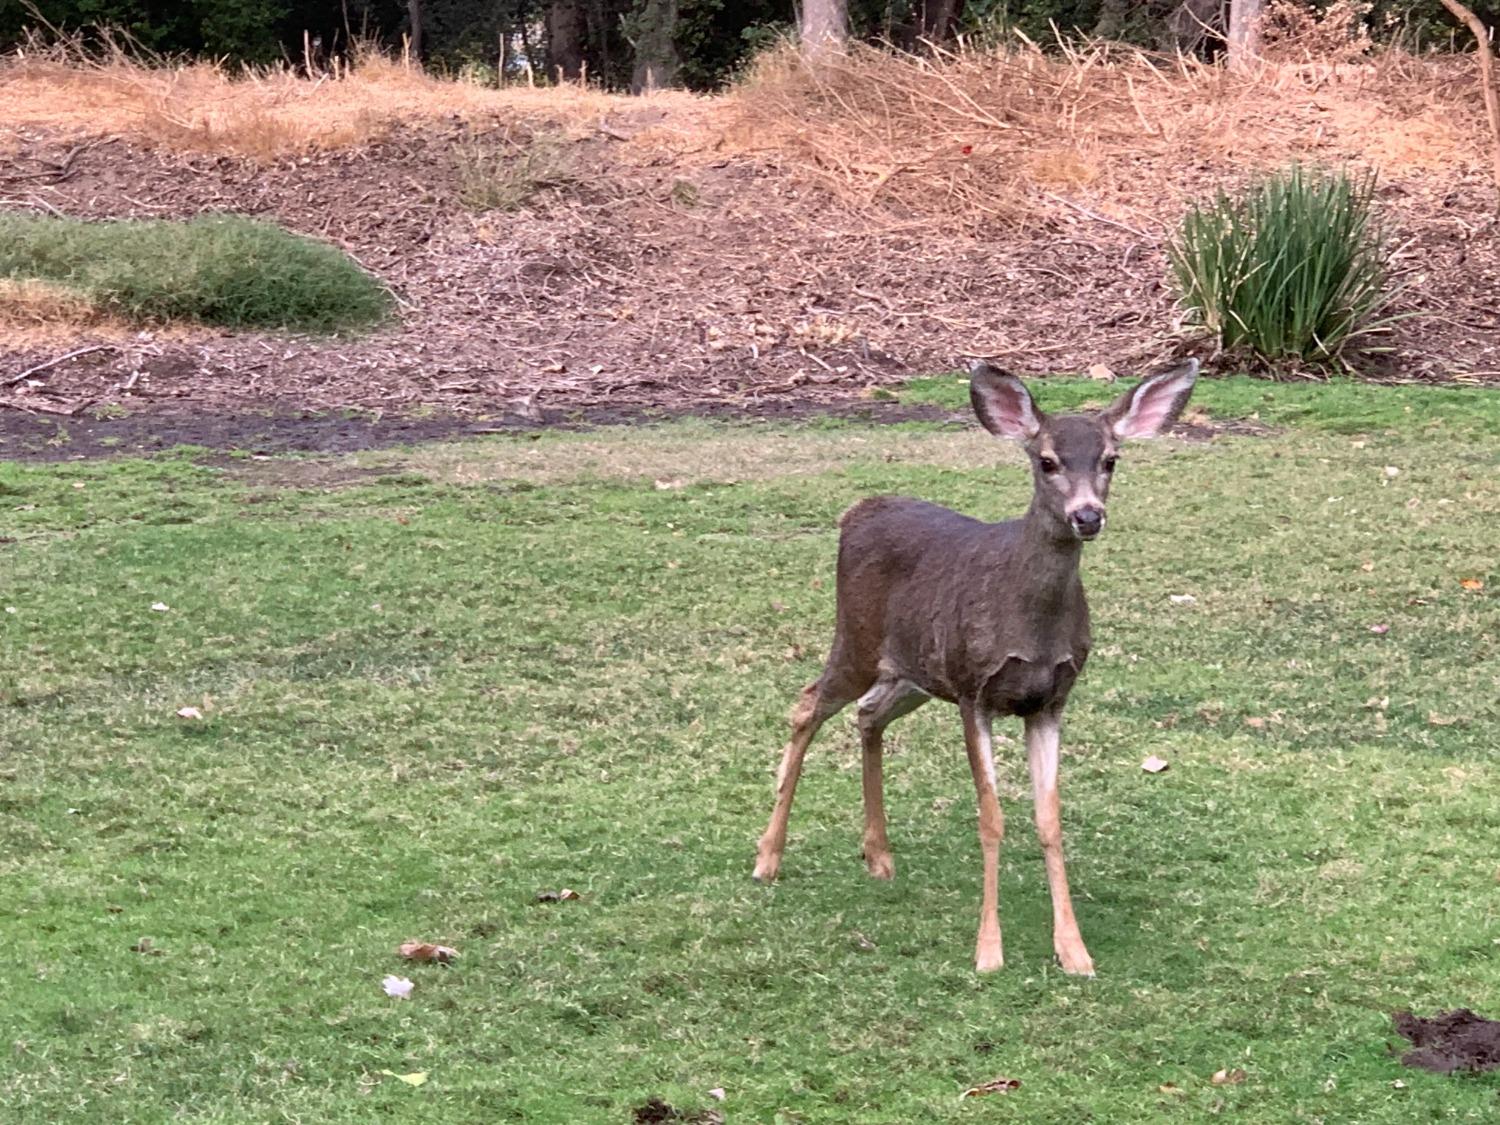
{"x": 1087, "y": 521}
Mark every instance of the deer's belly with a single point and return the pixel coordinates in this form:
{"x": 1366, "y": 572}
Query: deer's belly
{"x": 1024, "y": 687}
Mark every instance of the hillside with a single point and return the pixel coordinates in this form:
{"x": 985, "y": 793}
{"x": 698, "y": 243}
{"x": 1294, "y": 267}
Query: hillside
{"x": 804, "y": 237}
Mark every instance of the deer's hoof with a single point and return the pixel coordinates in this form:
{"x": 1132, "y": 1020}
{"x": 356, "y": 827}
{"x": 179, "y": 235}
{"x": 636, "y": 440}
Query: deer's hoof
{"x": 1076, "y": 964}
{"x": 880, "y": 865}
{"x": 989, "y": 960}
{"x": 765, "y": 870}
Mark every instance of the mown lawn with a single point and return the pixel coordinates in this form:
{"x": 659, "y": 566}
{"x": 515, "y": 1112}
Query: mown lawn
{"x": 434, "y": 684}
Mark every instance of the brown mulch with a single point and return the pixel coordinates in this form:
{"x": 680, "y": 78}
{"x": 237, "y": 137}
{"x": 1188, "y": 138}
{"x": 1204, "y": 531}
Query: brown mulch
{"x": 1450, "y": 1042}
{"x": 652, "y": 282}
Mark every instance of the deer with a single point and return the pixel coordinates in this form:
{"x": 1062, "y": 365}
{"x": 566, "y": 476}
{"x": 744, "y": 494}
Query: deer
{"x": 933, "y": 604}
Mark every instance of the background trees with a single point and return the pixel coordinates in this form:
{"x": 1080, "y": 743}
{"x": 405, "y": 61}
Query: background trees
{"x": 629, "y": 44}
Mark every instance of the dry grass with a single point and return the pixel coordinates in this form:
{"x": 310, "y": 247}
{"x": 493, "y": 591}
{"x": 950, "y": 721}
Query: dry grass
{"x": 983, "y": 134}
{"x": 39, "y": 313}
{"x": 266, "y": 114}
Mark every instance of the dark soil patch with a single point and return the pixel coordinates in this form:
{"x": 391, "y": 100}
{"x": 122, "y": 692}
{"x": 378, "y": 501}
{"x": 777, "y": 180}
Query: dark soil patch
{"x": 657, "y": 1110}
{"x": 1450, "y": 1042}
{"x": 41, "y": 437}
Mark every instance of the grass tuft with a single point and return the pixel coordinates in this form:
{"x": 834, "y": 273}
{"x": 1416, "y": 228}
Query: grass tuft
{"x": 492, "y": 178}
{"x": 1295, "y": 268}
{"x": 222, "y": 270}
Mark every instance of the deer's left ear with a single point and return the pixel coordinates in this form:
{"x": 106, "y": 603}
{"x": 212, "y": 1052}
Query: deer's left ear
{"x": 1148, "y": 409}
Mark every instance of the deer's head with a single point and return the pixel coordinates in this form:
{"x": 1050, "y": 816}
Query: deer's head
{"x": 1073, "y": 455}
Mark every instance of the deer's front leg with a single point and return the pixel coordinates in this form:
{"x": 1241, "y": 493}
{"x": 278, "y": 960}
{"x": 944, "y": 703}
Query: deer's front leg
{"x": 987, "y": 950}
{"x": 1043, "y": 735}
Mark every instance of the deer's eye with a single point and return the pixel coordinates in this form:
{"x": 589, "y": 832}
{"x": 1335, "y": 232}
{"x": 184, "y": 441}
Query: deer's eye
{"x": 1108, "y": 464}
{"x": 1048, "y": 464}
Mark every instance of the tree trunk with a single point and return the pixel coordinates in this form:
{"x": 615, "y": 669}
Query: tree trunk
{"x": 1195, "y": 27}
{"x": 414, "y": 14}
{"x": 1242, "y": 44}
{"x": 656, "y": 59}
{"x": 824, "y": 26}
{"x": 1486, "y": 79}
{"x": 565, "y": 40}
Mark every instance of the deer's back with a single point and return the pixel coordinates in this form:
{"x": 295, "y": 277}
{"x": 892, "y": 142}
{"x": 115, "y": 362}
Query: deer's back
{"x": 932, "y": 595}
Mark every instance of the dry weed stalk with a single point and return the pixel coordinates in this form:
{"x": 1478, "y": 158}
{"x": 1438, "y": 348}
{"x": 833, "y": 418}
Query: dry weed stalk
{"x": 978, "y": 135}
{"x": 112, "y": 86}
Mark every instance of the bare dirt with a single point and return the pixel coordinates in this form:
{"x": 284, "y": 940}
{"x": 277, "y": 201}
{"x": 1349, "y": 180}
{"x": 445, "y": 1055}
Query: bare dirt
{"x": 674, "y": 268}
{"x": 1450, "y": 1042}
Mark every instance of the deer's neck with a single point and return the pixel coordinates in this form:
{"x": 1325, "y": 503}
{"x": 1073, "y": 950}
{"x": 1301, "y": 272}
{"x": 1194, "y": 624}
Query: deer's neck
{"x": 1048, "y": 557}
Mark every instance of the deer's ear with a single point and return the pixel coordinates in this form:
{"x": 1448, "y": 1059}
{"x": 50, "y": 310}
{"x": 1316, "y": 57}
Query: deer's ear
{"x": 1148, "y": 409}
{"x": 1002, "y": 402}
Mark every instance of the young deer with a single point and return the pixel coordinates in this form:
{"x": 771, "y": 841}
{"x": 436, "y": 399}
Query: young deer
{"x": 992, "y": 617}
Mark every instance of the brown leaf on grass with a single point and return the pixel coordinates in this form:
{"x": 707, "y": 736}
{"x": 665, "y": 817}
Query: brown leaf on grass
{"x": 567, "y": 894}
{"x": 146, "y": 946}
{"x": 1471, "y": 583}
{"x": 1154, "y": 764}
{"x": 1367, "y": 566}
{"x": 427, "y": 951}
{"x": 995, "y": 1086}
{"x": 793, "y": 652}
{"x": 1434, "y": 719}
{"x": 1171, "y": 1088}
{"x": 1228, "y": 1077}
{"x": 189, "y": 713}
{"x": 1102, "y": 372}
{"x": 1255, "y": 722}
{"x": 1380, "y": 630}
{"x": 666, "y": 485}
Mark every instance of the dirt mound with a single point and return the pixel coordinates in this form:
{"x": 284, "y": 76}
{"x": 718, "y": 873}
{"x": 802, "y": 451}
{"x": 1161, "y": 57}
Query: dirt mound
{"x": 1450, "y": 1042}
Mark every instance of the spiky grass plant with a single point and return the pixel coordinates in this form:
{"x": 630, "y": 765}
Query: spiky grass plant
{"x": 1295, "y": 268}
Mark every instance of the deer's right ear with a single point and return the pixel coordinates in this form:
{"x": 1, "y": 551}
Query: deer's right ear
{"x": 1002, "y": 402}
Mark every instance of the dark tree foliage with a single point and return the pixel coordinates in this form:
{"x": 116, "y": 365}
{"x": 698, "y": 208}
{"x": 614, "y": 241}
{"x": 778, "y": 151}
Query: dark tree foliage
{"x": 709, "y": 40}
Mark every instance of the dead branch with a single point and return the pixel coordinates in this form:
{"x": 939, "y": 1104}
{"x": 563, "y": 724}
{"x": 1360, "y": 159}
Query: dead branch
{"x": 12, "y": 380}
{"x": 1486, "y": 80}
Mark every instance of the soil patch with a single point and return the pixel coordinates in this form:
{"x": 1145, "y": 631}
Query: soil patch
{"x": 44, "y": 437}
{"x": 1450, "y": 1042}
{"x": 657, "y": 1110}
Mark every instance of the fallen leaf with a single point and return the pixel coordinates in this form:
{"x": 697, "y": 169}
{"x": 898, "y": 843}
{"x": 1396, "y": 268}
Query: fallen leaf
{"x": 1102, "y": 372}
{"x": 1441, "y": 720}
{"x": 793, "y": 652}
{"x": 664, "y": 485}
{"x": 1255, "y": 722}
{"x": 1367, "y": 566}
{"x": 189, "y": 713}
{"x": 160, "y": 607}
{"x": 427, "y": 951}
{"x": 399, "y": 987}
{"x": 1391, "y": 472}
{"x": 1380, "y": 630}
{"x": 1471, "y": 583}
{"x": 997, "y": 1086}
{"x": 1182, "y": 599}
{"x": 145, "y": 946}
{"x": 567, "y": 894}
{"x": 1170, "y": 1088}
{"x": 1398, "y": 1085}
{"x": 717, "y": 1093}
{"x": 1228, "y": 1077}
{"x": 1154, "y": 764}
{"x": 415, "y": 1078}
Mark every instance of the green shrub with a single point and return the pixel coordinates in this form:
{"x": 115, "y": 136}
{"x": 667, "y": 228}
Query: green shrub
{"x": 224, "y": 270}
{"x": 1294, "y": 268}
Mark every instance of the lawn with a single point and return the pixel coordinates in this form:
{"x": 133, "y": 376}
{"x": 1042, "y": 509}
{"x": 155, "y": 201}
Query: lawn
{"x": 435, "y": 683}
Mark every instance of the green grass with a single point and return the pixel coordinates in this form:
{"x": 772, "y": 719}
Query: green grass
{"x": 435, "y": 684}
{"x": 222, "y": 269}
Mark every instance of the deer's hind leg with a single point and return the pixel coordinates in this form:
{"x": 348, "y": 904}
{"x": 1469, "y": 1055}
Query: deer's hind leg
{"x": 883, "y": 704}
{"x": 820, "y": 700}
